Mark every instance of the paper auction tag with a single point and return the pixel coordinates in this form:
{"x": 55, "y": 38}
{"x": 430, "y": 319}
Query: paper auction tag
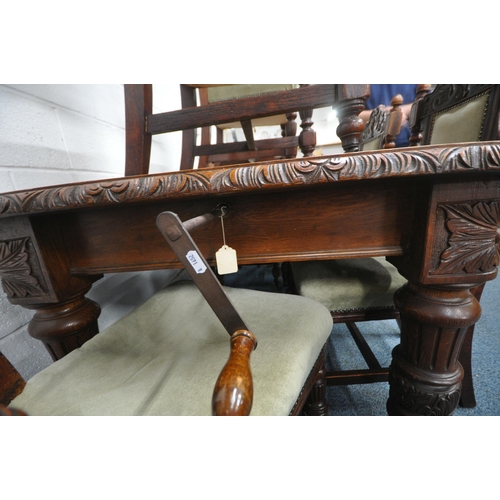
{"x": 227, "y": 261}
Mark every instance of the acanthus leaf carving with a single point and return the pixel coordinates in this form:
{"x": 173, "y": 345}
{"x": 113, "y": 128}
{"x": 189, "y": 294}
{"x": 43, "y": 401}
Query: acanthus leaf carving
{"x": 272, "y": 174}
{"x": 418, "y": 401}
{"x": 15, "y": 271}
{"x": 474, "y": 241}
{"x": 102, "y": 192}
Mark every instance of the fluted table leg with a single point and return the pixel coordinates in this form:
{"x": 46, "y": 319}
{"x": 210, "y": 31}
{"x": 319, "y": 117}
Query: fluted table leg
{"x": 425, "y": 374}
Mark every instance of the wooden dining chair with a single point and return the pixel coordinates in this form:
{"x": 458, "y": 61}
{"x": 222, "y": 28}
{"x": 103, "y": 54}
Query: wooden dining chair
{"x": 383, "y": 127}
{"x": 205, "y": 106}
{"x": 454, "y": 113}
{"x": 357, "y": 290}
{"x": 186, "y": 351}
{"x": 247, "y": 148}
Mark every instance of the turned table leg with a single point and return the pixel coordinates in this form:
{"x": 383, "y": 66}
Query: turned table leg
{"x": 35, "y": 269}
{"x": 425, "y": 374}
{"x": 65, "y": 326}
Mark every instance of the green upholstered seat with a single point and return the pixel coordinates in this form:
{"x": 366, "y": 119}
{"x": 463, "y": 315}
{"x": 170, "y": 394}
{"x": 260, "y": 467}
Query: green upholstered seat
{"x": 346, "y": 284}
{"x": 165, "y": 356}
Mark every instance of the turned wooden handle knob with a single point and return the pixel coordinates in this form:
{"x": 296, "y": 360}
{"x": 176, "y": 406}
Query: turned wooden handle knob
{"x": 233, "y": 392}
{"x": 11, "y": 412}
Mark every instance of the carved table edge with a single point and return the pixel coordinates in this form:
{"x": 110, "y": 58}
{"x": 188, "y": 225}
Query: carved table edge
{"x": 278, "y": 174}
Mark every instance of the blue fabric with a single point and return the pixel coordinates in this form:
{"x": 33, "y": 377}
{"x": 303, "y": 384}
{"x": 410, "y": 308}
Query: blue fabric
{"x": 383, "y": 94}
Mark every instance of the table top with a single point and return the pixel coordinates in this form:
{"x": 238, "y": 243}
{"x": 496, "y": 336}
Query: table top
{"x": 246, "y": 178}
{"x": 427, "y": 207}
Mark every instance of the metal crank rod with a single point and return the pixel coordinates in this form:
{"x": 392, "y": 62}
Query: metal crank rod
{"x": 177, "y": 235}
{"x": 233, "y": 391}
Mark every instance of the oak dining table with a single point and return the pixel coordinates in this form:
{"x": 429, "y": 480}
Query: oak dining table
{"x": 432, "y": 211}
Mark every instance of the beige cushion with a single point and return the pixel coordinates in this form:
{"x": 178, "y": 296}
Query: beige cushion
{"x": 371, "y": 145}
{"x": 226, "y": 92}
{"x": 460, "y": 124}
{"x": 346, "y": 284}
{"x": 164, "y": 358}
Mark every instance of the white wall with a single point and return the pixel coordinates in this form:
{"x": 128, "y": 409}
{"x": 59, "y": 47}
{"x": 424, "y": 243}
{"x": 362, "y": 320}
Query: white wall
{"x": 55, "y": 134}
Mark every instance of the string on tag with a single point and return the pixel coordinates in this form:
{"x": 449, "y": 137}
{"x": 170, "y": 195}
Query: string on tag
{"x": 222, "y": 223}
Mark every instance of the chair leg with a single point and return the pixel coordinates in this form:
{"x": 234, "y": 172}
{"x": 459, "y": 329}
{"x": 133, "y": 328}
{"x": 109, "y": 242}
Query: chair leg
{"x": 316, "y": 402}
{"x": 278, "y": 276}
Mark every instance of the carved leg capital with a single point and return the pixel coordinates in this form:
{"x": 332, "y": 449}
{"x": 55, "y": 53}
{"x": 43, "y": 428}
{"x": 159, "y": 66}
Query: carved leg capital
{"x": 425, "y": 374}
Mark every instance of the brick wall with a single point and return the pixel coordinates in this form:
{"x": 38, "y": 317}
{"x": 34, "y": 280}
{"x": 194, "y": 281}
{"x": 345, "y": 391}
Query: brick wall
{"x": 55, "y": 134}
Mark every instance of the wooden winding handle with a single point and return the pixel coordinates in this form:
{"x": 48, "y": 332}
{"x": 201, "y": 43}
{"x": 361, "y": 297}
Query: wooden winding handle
{"x": 233, "y": 392}
{"x": 11, "y": 412}
{"x": 11, "y": 381}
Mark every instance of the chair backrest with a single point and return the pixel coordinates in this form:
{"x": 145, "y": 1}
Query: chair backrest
{"x": 383, "y": 128}
{"x": 141, "y": 123}
{"x": 454, "y": 113}
{"x": 373, "y": 135}
{"x": 249, "y": 149}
